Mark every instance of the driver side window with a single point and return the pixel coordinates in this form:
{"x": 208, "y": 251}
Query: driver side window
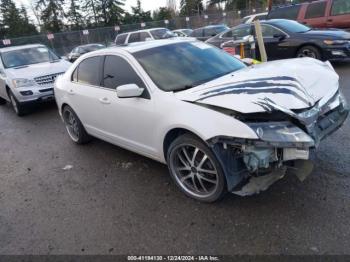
{"x": 117, "y": 71}
{"x": 269, "y": 31}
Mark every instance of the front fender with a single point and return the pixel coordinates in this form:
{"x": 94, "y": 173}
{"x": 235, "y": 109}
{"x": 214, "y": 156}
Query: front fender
{"x": 201, "y": 121}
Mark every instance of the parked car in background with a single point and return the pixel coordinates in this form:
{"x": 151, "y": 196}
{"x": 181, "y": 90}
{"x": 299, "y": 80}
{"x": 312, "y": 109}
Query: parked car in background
{"x": 318, "y": 14}
{"x": 237, "y": 32}
{"x": 143, "y": 35}
{"x": 27, "y": 75}
{"x": 183, "y": 32}
{"x": 219, "y": 126}
{"x": 83, "y": 49}
{"x": 204, "y": 33}
{"x": 251, "y": 18}
{"x": 287, "y": 39}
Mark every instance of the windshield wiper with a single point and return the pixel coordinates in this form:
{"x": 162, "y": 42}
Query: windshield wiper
{"x": 19, "y": 67}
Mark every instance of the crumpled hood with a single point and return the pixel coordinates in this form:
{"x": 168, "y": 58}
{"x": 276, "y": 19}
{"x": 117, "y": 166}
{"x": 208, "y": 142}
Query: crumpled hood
{"x": 36, "y": 70}
{"x": 292, "y": 84}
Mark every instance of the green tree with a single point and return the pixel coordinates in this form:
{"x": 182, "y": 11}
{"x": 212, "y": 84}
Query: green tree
{"x": 163, "y": 13}
{"x": 74, "y": 16}
{"x": 137, "y": 15}
{"x": 191, "y": 7}
{"x": 52, "y": 14}
{"x": 14, "y": 21}
{"x": 111, "y": 11}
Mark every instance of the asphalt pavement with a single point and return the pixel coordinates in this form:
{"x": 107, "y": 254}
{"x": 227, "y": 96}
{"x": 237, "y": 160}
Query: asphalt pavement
{"x": 60, "y": 198}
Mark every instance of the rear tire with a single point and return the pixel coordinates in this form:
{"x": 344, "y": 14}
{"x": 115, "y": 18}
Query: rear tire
{"x": 195, "y": 169}
{"x": 2, "y": 101}
{"x": 74, "y": 127}
{"x": 17, "y": 106}
{"x": 309, "y": 51}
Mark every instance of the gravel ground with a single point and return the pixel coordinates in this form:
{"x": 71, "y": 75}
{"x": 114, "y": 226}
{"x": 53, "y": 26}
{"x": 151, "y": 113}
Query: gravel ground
{"x": 59, "y": 198}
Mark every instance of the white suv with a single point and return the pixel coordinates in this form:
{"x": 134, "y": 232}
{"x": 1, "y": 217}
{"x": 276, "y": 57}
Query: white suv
{"x": 144, "y": 35}
{"x": 27, "y": 75}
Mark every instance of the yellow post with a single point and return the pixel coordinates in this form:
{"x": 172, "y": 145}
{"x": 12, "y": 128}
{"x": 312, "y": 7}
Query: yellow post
{"x": 260, "y": 39}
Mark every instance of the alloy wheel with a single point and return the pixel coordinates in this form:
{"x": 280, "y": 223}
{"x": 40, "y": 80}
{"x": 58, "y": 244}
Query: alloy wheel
{"x": 307, "y": 53}
{"x": 72, "y": 125}
{"x": 194, "y": 171}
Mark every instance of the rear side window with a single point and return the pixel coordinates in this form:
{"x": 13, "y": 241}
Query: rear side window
{"x": 121, "y": 39}
{"x": 289, "y": 12}
{"x": 135, "y": 37}
{"x": 340, "y": 7}
{"x": 316, "y": 10}
{"x": 227, "y": 34}
{"x": 88, "y": 71}
{"x": 210, "y": 32}
{"x": 117, "y": 72}
{"x": 197, "y": 33}
{"x": 144, "y": 36}
{"x": 269, "y": 31}
{"x": 241, "y": 31}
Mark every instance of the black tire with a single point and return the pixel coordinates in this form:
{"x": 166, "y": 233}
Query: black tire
{"x": 19, "y": 108}
{"x": 309, "y": 51}
{"x": 2, "y": 101}
{"x": 194, "y": 177}
{"x": 74, "y": 127}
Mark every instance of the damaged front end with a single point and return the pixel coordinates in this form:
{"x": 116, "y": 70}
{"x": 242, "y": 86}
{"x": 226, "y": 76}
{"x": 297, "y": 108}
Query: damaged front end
{"x": 284, "y": 147}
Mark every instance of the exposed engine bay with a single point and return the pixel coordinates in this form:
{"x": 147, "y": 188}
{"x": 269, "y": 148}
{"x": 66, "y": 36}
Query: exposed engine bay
{"x": 285, "y": 147}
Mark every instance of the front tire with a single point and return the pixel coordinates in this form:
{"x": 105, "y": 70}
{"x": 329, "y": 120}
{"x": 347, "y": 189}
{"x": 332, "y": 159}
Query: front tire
{"x": 309, "y": 51}
{"x": 74, "y": 127}
{"x": 195, "y": 169}
{"x": 17, "y": 106}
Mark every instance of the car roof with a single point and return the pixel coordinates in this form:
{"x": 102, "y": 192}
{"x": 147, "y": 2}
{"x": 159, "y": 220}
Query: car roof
{"x": 144, "y": 30}
{"x": 264, "y": 13}
{"x": 211, "y": 26}
{"x": 140, "y": 46}
{"x": 19, "y": 47}
{"x": 93, "y": 44}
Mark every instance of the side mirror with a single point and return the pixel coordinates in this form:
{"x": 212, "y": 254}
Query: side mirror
{"x": 129, "y": 90}
{"x": 279, "y": 36}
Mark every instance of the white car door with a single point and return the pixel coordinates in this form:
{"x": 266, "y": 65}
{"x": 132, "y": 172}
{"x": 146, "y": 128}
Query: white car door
{"x": 128, "y": 121}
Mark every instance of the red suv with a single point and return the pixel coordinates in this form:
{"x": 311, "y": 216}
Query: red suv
{"x": 320, "y": 14}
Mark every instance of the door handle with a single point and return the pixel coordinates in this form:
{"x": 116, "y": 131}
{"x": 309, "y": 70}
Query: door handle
{"x": 71, "y": 92}
{"x": 330, "y": 20}
{"x": 105, "y": 101}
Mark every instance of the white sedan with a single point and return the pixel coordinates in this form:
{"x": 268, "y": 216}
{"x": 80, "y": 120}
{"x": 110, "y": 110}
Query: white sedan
{"x": 219, "y": 126}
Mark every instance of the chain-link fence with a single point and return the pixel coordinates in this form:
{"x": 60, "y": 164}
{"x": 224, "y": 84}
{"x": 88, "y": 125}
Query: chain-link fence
{"x": 62, "y": 43}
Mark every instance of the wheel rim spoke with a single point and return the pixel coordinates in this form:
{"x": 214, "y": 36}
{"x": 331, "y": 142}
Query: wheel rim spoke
{"x": 207, "y": 179}
{"x": 183, "y": 161}
{"x": 201, "y": 183}
{"x": 202, "y": 161}
{"x": 184, "y": 178}
{"x": 207, "y": 171}
{"x": 194, "y": 156}
{"x": 194, "y": 184}
{"x": 186, "y": 155}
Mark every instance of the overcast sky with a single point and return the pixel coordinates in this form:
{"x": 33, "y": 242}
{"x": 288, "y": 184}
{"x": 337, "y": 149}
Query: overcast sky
{"x": 146, "y": 4}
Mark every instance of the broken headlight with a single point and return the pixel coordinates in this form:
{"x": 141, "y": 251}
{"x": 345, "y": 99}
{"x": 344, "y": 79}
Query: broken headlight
{"x": 276, "y": 132}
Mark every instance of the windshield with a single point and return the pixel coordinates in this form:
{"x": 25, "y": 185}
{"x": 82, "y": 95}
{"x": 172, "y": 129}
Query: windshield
{"x": 182, "y": 66}
{"x": 293, "y": 26}
{"x": 91, "y": 48}
{"x": 162, "y": 33}
{"x": 187, "y": 31}
{"x": 28, "y": 56}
